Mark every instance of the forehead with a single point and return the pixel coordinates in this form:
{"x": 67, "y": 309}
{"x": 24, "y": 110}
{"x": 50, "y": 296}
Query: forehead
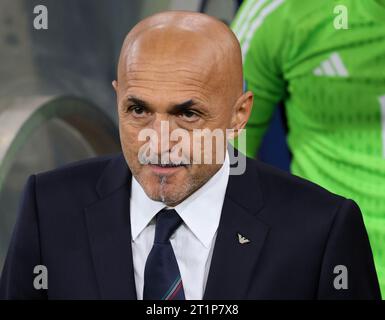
{"x": 158, "y": 76}
{"x": 171, "y": 61}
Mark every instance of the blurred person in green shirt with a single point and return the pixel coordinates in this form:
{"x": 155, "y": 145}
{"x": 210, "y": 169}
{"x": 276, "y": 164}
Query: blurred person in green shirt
{"x": 326, "y": 61}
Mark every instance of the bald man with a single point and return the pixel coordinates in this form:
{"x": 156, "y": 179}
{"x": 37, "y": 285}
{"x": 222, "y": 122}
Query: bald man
{"x": 167, "y": 219}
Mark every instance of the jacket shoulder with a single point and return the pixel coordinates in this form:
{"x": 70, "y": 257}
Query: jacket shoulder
{"x": 89, "y": 167}
{"x": 76, "y": 180}
{"x": 272, "y": 177}
{"x": 297, "y": 197}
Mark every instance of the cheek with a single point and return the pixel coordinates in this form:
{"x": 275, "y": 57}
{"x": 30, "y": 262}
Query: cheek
{"x": 130, "y": 145}
{"x": 201, "y": 170}
{"x": 209, "y": 148}
{"x": 129, "y": 135}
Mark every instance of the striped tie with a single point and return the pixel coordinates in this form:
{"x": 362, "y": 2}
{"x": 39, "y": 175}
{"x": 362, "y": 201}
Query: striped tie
{"x": 162, "y": 280}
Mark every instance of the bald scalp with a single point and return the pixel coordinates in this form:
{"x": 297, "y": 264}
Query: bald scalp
{"x": 179, "y": 36}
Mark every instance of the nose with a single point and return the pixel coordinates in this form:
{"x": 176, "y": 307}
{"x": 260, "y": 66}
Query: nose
{"x": 161, "y": 128}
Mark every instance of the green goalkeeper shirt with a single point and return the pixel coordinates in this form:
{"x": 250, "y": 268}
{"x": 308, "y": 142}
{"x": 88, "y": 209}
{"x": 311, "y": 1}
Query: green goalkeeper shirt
{"x": 326, "y": 60}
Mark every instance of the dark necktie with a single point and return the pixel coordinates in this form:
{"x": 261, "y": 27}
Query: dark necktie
{"x": 162, "y": 280}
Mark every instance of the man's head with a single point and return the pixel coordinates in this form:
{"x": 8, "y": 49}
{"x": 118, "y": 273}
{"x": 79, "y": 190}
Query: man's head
{"x": 184, "y": 70}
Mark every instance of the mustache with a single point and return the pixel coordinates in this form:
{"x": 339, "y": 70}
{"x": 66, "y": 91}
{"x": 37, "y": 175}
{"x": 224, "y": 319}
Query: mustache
{"x": 167, "y": 158}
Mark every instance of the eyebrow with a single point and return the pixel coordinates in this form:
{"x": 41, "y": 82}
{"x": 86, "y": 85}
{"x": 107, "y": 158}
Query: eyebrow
{"x": 135, "y": 100}
{"x": 174, "y": 109}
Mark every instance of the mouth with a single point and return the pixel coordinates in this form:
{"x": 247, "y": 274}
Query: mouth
{"x": 166, "y": 168}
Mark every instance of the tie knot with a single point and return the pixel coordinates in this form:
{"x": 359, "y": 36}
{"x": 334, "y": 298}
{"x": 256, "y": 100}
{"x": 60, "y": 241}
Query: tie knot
{"x": 167, "y": 221}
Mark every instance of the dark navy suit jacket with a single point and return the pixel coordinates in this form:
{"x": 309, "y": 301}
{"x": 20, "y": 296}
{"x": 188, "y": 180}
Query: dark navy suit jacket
{"x": 75, "y": 220}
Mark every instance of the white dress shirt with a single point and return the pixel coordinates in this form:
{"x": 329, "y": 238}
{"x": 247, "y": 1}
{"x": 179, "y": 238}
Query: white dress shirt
{"x": 193, "y": 242}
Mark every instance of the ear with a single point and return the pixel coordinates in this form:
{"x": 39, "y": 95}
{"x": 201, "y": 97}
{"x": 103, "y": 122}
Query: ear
{"x": 241, "y": 113}
{"x": 115, "y": 85}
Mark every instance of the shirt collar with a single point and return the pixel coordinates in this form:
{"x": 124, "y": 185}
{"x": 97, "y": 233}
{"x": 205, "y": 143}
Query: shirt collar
{"x": 201, "y": 211}
{"x": 142, "y": 208}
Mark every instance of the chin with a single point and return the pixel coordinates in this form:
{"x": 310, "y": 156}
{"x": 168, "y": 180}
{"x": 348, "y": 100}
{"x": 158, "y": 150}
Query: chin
{"x": 168, "y": 193}
{"x": 169, "y": 189}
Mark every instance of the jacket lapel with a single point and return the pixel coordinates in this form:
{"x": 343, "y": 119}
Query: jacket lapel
{"x": 109, "y": 231}
{"x": 233, "y": 264}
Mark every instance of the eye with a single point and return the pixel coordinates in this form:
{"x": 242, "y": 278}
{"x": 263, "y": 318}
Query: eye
{"x": 189, "y": 115}
{"x": 137, "y": 111}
